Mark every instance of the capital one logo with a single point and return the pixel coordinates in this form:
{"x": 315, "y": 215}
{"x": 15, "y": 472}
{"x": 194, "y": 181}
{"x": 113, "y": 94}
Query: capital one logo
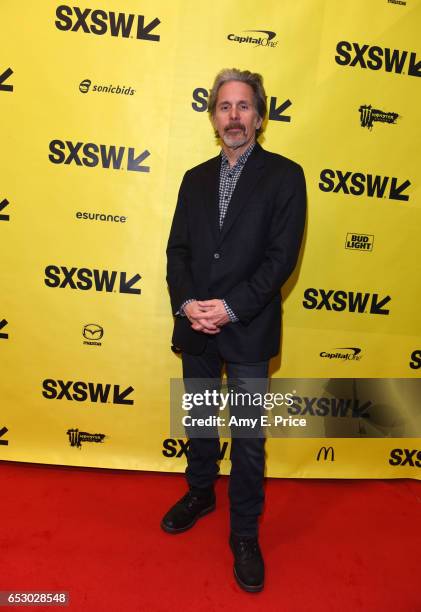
{"x": 90, "y": 155}
{"x": 86, "y": 279}
{"x": 98, "y": 21}
{"x": 355, "y": 54}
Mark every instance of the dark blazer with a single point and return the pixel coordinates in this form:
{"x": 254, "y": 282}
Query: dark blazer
{"x": 247, "y": 262}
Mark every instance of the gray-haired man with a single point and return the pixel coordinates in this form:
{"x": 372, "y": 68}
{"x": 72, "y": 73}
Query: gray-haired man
{"x": 234, "y": 241}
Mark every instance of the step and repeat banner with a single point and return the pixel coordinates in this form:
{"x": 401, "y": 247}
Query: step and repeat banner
{"x": 103, "y": 109}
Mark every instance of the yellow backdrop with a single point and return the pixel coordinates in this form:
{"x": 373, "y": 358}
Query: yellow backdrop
{"x": 103, "y": 110}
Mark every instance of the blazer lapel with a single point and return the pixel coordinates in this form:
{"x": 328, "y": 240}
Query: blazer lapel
{"x": 211, "y": 196}
{"x": 249, "y": 177}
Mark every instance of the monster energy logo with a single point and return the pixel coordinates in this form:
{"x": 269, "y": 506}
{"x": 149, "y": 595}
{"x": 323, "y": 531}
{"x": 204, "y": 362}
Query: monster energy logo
{"x": 76, "y": 437}
{"x": 368, "y": 115}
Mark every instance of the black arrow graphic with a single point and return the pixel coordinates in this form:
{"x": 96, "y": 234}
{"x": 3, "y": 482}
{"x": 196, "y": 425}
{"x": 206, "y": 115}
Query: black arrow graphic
{"x": 126, "y": 285}
{"x": 120, "y": 398}
{"x": 3, "y": 323}
{"x": 143, "y": 32}
{"x": 275, "y": 113}
{"x": 134, "y": 162}
{"x": 376, "y": 306}
{"x": 3, "y": 77}
{"x": 396, "y": 191}
{"x": 414, "y": 66}
{"x": 3, "y": 430}
{"x": 3, "y": 204}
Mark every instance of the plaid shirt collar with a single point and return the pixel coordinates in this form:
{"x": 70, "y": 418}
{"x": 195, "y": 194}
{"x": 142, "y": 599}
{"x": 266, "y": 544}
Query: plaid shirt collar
{"x": 241, "y": 160}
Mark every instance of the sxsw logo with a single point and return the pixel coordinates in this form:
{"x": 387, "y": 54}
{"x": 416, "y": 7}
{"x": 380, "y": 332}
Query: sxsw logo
{"x": 3, "y": 77}
{"x": 200, "y": 105}
{"x": 375, "y": 58}
{"x": 350, "y": 301}
{"x": 107, "y": 156}
{"x": 3, "y": 324}
{"x": 358, "y": 183}
{"x": 3, "y": 432}
{"x": 359, "y": 242}
{"x": 3, "y": 205}
{"x": 179, "y": 448}
{"x": 86, "y": 279}
{"x": 80, "y": 391}
{"x": 415, "y": 362}
{"x": 405, "y": 456}
{"x": 329, "y": 406}
{"x": 100, "y": 22}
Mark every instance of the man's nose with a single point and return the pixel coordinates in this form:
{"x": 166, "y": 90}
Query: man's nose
{"x": 234, "y": 112}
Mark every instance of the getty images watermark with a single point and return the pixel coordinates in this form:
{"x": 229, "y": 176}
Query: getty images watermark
{"x": 243, "y": 408}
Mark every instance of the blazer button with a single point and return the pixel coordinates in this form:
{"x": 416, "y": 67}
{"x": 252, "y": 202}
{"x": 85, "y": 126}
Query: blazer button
{"x": 216, "y": 255}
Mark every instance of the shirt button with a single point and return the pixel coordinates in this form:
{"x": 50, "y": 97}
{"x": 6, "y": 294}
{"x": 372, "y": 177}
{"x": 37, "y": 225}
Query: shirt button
{"x": 216, "y": 255}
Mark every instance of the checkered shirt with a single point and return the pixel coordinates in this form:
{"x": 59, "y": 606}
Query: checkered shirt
{"x": 228, "y": 179}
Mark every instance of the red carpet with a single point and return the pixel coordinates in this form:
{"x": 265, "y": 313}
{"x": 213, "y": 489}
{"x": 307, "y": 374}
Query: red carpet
{"x": 332, "y": 546}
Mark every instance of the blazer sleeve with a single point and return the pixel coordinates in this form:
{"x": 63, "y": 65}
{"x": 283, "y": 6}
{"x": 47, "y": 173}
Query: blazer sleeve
{"x": 248, "y": 298}
{"x": 179, "y": 278}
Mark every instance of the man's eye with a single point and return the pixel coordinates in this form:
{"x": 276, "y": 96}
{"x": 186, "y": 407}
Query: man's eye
{"x": 244, "y": 106}
{"x": 224, "y": 107}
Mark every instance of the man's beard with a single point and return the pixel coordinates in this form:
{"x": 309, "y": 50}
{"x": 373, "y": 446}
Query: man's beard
{"x": 234, "y": 142}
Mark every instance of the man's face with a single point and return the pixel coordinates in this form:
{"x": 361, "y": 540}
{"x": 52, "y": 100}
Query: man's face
{"x": 235, "y": 117}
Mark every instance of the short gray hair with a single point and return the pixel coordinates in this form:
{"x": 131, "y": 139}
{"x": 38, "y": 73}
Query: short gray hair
{"x": 253, "y": 79}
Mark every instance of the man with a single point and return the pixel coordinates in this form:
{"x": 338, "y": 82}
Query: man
{"x": 234, "y": 241}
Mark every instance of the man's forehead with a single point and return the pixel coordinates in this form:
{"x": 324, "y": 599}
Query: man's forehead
{"x": 235, "y": 89}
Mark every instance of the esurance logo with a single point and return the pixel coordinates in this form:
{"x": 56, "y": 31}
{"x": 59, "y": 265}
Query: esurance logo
{"x": 358, "y": 184}
{"x": 405, "y": 456}
{"x": 107, "y": 156}
{"x": 369, "y": 115}
{"x": 80, "y": 391}
{"x": 97, "y": 21}
{"x": 376, "y": 58}
{"x": 359, "y": 242}
{"x": 346, "y": 353}
{"x": 275, "y": 113}
{"x": 85, "y": 87}
{"x": 257, "y": 38}
{"x": 86, "y": 279}
{"x": 349, "y": 301}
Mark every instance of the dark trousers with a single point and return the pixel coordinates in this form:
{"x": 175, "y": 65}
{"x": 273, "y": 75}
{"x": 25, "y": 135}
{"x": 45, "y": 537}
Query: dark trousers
{"x": 247, "y": 453}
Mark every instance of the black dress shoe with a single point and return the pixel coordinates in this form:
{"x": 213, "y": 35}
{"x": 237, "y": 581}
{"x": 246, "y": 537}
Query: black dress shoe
{"x": 184, "y": 514}
{"x": 249, "y": 569}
